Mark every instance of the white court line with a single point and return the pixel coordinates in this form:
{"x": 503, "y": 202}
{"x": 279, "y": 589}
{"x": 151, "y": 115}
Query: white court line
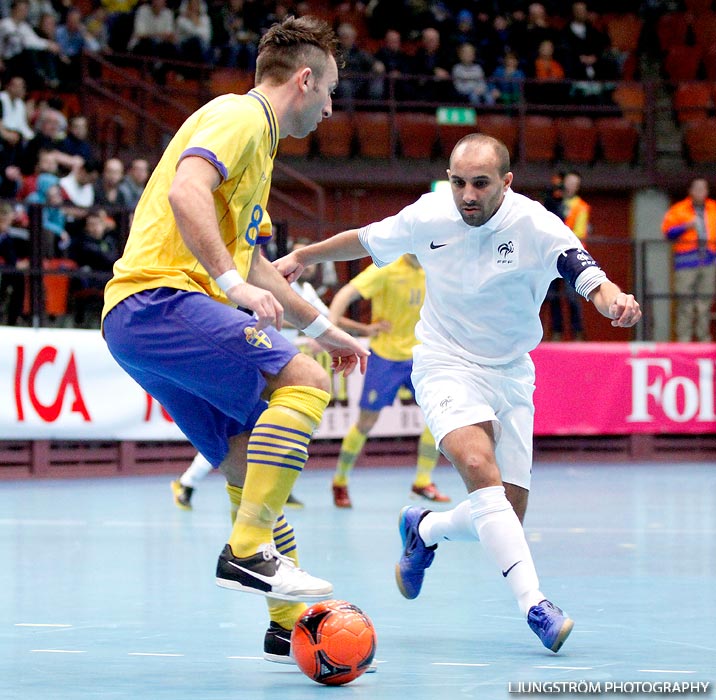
{"x": 448, "y": 663}
{"x": 57, "y": 651}
{"x": 661, "y": 670}
{"x": 568, "y": 668}
{"x": 39, "y": 624}
{"x": 249, "y": 658}
{"x": 150, "y": 653}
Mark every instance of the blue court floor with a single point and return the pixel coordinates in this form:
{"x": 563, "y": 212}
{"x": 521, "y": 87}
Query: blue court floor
{"x": 107, "y": 589}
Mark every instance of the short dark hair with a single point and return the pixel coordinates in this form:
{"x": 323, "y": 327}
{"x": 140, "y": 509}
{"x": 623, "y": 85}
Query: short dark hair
{"x": 291, "y": 44}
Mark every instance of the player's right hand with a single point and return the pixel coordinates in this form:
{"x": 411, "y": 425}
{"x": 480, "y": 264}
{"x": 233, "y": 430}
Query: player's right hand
{"x": 289, "y": 267}
{"x": 268, "y": 310}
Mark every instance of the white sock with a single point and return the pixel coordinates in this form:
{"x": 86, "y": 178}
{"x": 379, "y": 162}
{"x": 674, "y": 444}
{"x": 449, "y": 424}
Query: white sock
{"x": 501, "y": 534}
{"x": 453, "y": 524}
{"x": 197, "y": 470}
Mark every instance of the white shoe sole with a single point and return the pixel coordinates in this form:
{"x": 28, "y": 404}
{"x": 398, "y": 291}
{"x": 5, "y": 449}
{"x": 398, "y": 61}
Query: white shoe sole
{"x": 301, "y": 597}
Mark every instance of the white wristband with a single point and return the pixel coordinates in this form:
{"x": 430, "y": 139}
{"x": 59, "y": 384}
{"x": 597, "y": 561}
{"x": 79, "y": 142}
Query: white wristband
{"x": 317, "y": 327}
{"x": 229, "y": 279}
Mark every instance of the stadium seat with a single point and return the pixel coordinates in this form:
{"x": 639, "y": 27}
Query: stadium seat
{"x": 230, "y": 80}
{"x": 501, "y": 127}
{"x": 577, "y": 139}
{"x": 705, "y": 30}
{"x": 671, "y": 30}
{"x": 631, "y": 98}
{"x": 417, "y": 133}
{"x": 618, "y": 139}
{"x": 699, "y": 141}
{"x": 373, "y": 130}
{"x": 293, "y": 147}
{"x": 450, "y": 134}
{"x": 334, "y": 136}
{"x": 682, "y": 63}
{"x": 698, "y": 7}
{"x": 692, "y": 102}
{"x": 623, "y": 31}
{"x": 709, "y": 63}
{"x": 540, "y": 139}
{"x": 56, "y": 287}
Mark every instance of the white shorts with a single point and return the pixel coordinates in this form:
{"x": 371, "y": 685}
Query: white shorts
{"x": 453, "y": 392}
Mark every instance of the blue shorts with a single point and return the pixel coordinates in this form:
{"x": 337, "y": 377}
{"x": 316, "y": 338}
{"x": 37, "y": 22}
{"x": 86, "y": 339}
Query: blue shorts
{"x": 200, "y": 359}
{"x": 383, "y": 378}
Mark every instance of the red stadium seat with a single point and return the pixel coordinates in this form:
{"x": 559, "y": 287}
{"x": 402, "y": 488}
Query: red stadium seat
{"x": 692, "y": 102}
{"x": 293, "y": 147}
{"x": 418, "y": 134}
{"x": 501, "y": 127}
{"x": 618, "y": 139}
{"x": 699, "y": 141}
{"x": 671, "y": 30}
{"x": 631, "y": 98}
{"x": 577, "y": 139}
{"x": 705, "y": 30}
{"x": 682, "y": 63}
{"x": 373, "y": 130}
{"x": 540, "y": 139}
{"x": 624, "y": 31}
{"x": 334, "y": 136}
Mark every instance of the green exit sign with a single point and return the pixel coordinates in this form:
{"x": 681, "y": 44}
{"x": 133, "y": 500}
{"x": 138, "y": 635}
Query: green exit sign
{"x": 456, "y": 115}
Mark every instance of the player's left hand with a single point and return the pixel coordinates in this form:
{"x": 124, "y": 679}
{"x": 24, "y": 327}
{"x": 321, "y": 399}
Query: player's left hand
{"x": 346, "y": 351}
{"x": 624, "y": 310}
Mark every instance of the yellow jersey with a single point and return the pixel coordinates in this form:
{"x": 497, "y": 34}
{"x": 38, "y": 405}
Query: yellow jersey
{"x": 396, "y": 292}
{"x": 238, "y": 135}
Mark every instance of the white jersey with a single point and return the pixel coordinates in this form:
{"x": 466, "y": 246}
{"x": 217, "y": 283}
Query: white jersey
{"x": 484, "y": 285}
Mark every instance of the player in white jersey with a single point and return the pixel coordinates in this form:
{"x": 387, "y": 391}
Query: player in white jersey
{"x": 489, "y": 256}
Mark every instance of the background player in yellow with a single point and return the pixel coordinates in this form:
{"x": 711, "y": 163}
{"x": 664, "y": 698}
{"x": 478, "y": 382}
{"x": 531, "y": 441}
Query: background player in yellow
{"x": 193, "y": 313}
{"x": 396, "y": 293}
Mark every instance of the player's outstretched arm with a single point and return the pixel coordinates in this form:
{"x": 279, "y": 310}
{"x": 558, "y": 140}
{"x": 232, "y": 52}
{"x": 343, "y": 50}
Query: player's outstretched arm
{"x": 342, "y": 246}
{"x": 610, "y": 301}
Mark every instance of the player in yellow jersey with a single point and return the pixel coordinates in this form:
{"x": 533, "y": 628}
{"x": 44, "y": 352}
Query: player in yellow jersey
{"x": 396, "y": 293}
{"x": 171, "y": 318}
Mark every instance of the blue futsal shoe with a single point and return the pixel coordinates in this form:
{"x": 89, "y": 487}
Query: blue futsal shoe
{"x": 550, "y": 624}
{"x": 416, "y": 557}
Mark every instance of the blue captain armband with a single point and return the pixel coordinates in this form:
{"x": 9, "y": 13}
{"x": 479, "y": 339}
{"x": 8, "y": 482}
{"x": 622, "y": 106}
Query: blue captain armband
{"x": 580, "y": 270}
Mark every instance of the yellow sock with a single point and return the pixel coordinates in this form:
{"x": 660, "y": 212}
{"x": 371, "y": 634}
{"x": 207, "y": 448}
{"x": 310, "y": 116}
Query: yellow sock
{"x": 283, "y": 613}
{"x": 276, "y": 453}
{"x": 428, "y": 455}
{"x": 351, "y": 447}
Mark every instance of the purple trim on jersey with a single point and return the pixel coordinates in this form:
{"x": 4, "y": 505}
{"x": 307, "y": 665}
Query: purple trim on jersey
{"x": 207, "y": 155}
{"x": 200, "y": 359}
{"x": 383, "y": 378}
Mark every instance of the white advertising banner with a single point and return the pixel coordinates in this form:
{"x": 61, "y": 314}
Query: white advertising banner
{"x": 63, "y": 384}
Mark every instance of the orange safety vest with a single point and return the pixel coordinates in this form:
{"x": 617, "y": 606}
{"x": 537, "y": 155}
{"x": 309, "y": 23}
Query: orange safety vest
{"x": 576, "y": 212}
{"x": 682, "y": 213}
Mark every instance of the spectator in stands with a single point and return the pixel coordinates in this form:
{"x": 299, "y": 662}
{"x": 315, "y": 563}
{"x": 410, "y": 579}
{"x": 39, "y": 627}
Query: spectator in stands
{"x": 120, "y": 23}
{"x": 550, "y": 74}
{"x": 394, "y": 63}
{"x": 78, "y": 193}
{"x": 133, "y": 183}
{"x": 26, "y": 184}
{"x": 690, "y": 225}
{"x": 432, "y": 66}
{"x": 358, "y": 76}
{"x": 76, "y": 142}
{"x": 38, "y": 8}
{"x": 464, "y": 29}
{"x": 97, "y": 30}
{"x": 496, "y": 44}
{"x": 468, "y": 77}
{"x": 12, "y": 284}
{"x": 95, "y": 252}
{"x": 505, "y": 82}
{"x": 26, "y": 53}
{"x": 107, "y": 192}
{"x": 14, "y": 109}
{"x": 56, "y": 239}
{"x": 72, "y": 38}
{"x": 48, "y": 137}
{"x": 574, "y": 211}
{"x": 235, "y": 41}
{"x": 585, "y": 59}
{"x": 537, "y": 30}
{"x": 193, "y": 29}
{"x": 154, "y": 36}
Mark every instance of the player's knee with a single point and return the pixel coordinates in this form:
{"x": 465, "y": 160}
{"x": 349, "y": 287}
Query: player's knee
{"x": 305, "y": 371}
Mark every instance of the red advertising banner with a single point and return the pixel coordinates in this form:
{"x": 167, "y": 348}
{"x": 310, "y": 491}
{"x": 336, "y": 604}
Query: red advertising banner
{"x": 63, "y": 384}
{"x": 622, "y": 388}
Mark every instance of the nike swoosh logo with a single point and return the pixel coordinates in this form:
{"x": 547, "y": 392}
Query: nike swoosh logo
{"x": 504, "y": 573}
{"x": 266, "y": 579}
{"x": 433, "y": 246}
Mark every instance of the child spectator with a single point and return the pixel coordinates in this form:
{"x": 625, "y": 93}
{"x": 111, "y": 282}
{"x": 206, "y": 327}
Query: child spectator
{"x": 468, "y": 77}
{"x": 505, "y": 81}
{"x": 48, "y": 193}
